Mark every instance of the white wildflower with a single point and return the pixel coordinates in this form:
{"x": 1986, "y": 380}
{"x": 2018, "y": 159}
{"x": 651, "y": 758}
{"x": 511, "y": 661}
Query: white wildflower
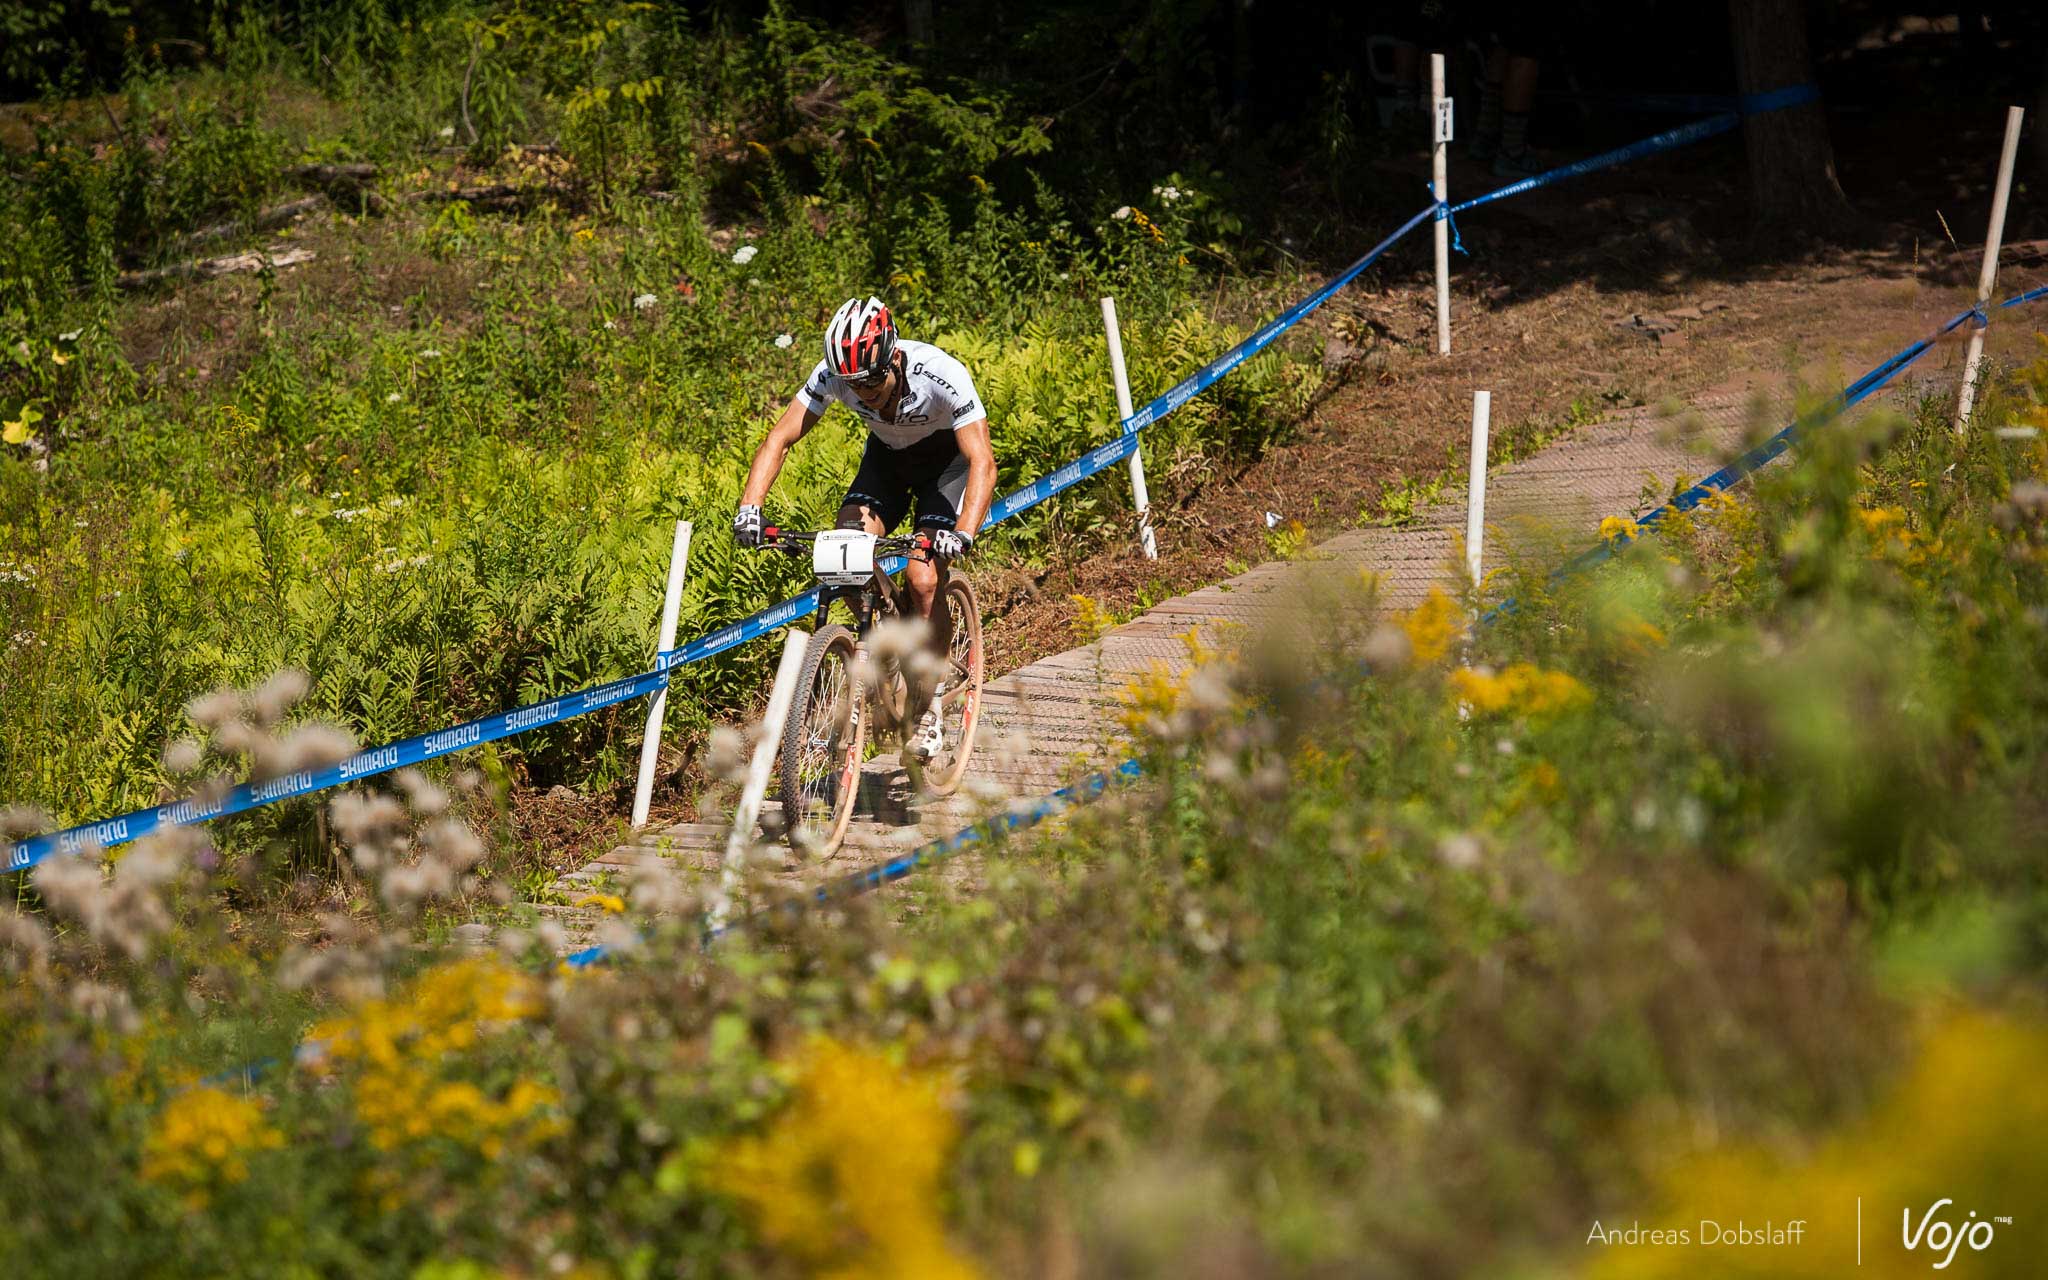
{"x": 656, "y": 890}
{"x": 1460, "y": 852}
{"x": 1123, "y": 214}
{"x": 284, "y": 690}
{"x": 422, "y": 794}
{"x": 183, "y": 756}
{"x": 726, "y": 759}
{"x": 784, "y": 341}
{"x": 430, "y": 353}
{"x": 745, "y": 254}
{"x": 108, "y": 1005}
{"x": 451, "y": 842}
{"x": 314, "y": 745}
{"x": 642, "y": 302}
{"x": 215, "y": 709}
{"x": 393, "y": 398}
{"x": 405, "y": 886}
{"x": 25, "y": 938}
{"x": 22, "y": 820}
{"x": 447, "y": 132}
{"x": 71, "y": 336}
{"x": 618, "y": 937}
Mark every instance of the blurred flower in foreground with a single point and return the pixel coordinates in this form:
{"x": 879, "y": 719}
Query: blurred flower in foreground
{"x": 1522, "y": 689}
{"x": 1432, "y": 627}
{"x": 202, "y": 1140}
{"x": 1964, "y": 1125}
{"x": 847, "y": 1178}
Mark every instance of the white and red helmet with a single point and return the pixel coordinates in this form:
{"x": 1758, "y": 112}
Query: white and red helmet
{"x": 860, "y": 340}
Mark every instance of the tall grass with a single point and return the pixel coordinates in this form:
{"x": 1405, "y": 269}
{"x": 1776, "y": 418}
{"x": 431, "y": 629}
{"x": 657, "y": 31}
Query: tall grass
{"x": 437, "y": 466}
{"x": 1700, "y": 882}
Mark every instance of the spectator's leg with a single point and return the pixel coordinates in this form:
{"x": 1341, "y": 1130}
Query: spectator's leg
{"x": 1486, "y": 130}
{"x": 1518, "y": 98}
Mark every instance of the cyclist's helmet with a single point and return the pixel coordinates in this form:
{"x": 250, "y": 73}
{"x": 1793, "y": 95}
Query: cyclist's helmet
{"x": 860, "y": 340}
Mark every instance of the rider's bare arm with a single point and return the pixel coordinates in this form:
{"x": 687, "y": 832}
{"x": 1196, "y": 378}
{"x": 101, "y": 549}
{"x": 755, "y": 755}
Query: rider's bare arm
{"x": 795, "y": 422}
{"x": 981, "y": 475}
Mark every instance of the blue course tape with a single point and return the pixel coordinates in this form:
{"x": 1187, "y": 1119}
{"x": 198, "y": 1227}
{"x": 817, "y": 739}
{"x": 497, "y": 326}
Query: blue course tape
{"x": 1755, "y": 458}
{"x": 1693, "y": 104}
{"x": 1193, "y": 385}
{"x": 364, "y": 764}
{"x": 899, "y": 867}
{"x": 1670, "y": 139}
{"x": 142, "y": 822}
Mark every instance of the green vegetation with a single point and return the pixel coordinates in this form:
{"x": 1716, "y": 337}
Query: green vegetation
{"x": 436, "y": 466}
{"x": 1704, "y": 869}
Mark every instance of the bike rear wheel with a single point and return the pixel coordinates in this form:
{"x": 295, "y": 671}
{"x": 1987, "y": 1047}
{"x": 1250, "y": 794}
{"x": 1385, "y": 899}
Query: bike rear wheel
{"x": 822, "y": 742}
{"x": 960, "y": 704}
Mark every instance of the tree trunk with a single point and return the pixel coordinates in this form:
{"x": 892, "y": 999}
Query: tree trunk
{"x": 919, "y": 23}
{"x": 1791, "y": 161}
{"x": 2041, "y": 134}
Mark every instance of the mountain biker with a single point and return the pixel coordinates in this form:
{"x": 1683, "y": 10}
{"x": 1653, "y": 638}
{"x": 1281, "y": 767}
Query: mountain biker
{"x": 927, "y": 449}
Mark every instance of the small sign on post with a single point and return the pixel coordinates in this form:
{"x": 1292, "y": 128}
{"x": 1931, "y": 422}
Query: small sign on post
{"x": 1444, "y": 116}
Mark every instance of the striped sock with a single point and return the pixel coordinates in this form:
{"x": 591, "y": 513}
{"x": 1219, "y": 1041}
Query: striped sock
{"x": 1514, "y": 133}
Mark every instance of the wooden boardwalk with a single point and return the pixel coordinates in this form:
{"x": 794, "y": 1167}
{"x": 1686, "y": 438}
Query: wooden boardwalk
{"x": 1045, "y": 724}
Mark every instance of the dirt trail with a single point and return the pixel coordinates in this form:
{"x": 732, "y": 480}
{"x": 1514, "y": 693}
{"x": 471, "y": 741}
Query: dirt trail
{"x": 1054, "y": 717}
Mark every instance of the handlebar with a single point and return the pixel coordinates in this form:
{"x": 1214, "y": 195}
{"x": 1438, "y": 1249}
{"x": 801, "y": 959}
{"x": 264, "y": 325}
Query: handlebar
{"x": 789, "y": 540}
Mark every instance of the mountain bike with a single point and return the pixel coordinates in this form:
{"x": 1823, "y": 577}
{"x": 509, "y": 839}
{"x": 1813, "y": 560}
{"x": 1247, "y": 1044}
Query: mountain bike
{"x": 844, "y": 684}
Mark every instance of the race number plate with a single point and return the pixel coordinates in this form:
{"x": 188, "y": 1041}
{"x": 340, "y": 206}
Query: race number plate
{"x": 843, "y": 557}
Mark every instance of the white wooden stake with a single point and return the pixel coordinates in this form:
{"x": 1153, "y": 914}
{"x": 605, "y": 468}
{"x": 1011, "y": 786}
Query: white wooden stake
{"x": 748, "y": 812}
{"x": 1139, "y": 497}
{"x": 671, "y": 605}
{"x": 1475, "y": 506}
{"x": 1987, "y": 274}
{"x": 1439, "y": 163}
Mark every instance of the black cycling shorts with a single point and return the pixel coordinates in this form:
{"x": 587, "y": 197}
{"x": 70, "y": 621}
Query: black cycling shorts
{"x": 931, "y": 474}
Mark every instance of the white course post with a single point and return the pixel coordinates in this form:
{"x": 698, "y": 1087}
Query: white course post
{"x": 1987, "y": 274}
{"x": 671, "y": 605}
{"x": 1475, "y": 506}
{"x": 1139, "y": 496}
{"x": 748, "y": 812}
{"x": 1439, "y": 164}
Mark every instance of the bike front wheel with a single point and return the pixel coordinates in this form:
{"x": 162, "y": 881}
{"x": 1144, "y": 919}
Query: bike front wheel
{"x": 822, "y": 742}
{"x": 960, "y": 703}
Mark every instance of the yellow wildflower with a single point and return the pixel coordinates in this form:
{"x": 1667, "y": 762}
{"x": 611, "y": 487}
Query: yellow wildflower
{"x": 585, "y": 234}
{"x": 846, "y": 1179}
{"x": 1616, "y": 528}
{"x": 611, "y": 902}
{"x": 1147, "y": 703}
{"x": 202, "y": 1140}
{"x": 405, "y": 1050}
{"x": 1432, "y": 627}
{"x": 1935, "y": 1138}
{"x": 1522, "y": 689}
{"x": 1091, "y": 620}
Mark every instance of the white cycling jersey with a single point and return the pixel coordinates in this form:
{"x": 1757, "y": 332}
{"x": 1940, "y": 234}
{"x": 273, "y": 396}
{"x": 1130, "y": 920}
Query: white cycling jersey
{"x": 938, "y": 395}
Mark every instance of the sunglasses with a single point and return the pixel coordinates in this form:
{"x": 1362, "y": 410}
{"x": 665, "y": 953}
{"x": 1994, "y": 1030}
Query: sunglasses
{"x": 871, "y": 380}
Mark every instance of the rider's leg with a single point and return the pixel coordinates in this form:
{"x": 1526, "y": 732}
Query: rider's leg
{"x": 859, "y": 515}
